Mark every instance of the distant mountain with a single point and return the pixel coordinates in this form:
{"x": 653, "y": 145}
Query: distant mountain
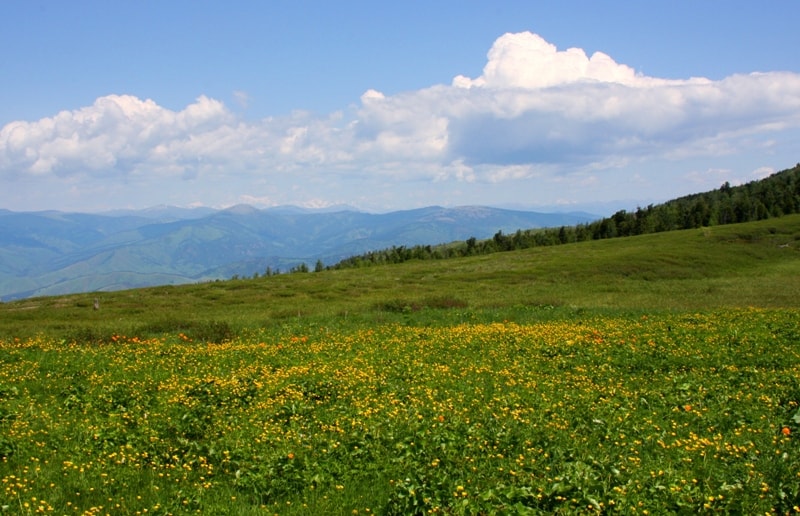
{"x": 52, "y": 253}
{"x": 288, "y": 208}
{"x": 164, "y": 213}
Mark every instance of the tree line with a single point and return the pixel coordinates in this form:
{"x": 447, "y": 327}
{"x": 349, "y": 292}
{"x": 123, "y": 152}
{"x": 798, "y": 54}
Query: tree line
{"x": 773, "y": 196}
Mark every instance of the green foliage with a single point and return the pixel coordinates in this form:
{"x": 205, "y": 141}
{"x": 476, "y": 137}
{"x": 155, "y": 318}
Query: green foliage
{"x": 300, "y": 268}
{"x": 679, "y": 412}
{"x": 212, "y": 331}
{"x": 611, "y": 375}
{"x": 87, "y": 335}
{"x": 7, "y": 417}
{"x": 752, "y": 264}
{"x": 406, "y": 306}
{"x": 775, "y": 196}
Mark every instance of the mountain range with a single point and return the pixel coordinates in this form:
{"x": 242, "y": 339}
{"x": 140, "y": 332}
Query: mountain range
{"x": 53, "y": 253}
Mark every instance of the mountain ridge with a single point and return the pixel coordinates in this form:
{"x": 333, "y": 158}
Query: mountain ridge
{"x": 53, "y": 252}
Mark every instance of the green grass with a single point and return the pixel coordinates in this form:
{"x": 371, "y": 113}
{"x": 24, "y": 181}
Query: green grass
{"x": 754, "y": 264}
{"x": 650, "y": 374}
{"x": 686, "y": 413}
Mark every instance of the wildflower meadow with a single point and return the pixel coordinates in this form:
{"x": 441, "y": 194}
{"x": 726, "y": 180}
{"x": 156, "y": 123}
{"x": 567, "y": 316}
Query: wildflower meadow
{"x": 645, "y": 413}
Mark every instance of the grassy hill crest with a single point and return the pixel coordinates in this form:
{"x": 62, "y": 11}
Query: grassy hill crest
{"x": 654, "y": 373}
{"x": 51, "y": 253}
{"x": 737, "y": 265}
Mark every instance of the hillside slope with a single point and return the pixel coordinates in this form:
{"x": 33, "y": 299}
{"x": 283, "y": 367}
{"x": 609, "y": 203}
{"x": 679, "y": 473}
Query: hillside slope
{"x": 741, "y": 265}
{"x": 53, "y": 253}
{"x": 770, "y": 197}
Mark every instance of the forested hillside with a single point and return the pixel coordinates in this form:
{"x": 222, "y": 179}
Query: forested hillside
{"x": 774, "y": 196}
{"x": 51, "y": 253}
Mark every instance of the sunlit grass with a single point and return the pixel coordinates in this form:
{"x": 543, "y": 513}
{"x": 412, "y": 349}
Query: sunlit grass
{"x": 754, "y": 264}
{"x": 650, "y": 374}
{"x": 685, "y": 412}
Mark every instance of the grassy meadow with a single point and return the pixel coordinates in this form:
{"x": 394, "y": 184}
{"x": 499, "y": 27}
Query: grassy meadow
{"x": 644, "y": 375}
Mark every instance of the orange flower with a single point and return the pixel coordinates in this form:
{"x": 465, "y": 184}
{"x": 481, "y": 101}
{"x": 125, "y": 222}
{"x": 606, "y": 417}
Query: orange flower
{"x": 441, "y": 419}
{"x": 687, "y": 408}
{"x": 291, "y": 456}
{"x": 786, "y": 430}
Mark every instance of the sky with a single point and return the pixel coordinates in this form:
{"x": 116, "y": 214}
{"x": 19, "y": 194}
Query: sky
{"x": 544, "y": 106}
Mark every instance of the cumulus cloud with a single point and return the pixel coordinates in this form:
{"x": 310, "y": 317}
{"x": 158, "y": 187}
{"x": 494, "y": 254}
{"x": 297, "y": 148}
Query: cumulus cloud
{"x": 536, "y": 105}
{"x": 535, "y": 110}
{"x": 526, "y": 60}
{"x": 115, "y": 135}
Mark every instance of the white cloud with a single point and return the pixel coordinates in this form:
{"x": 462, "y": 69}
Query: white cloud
{"x": 711, "y": 176}
{"x": 526, "y": 60}
{"x": 242, "y": 98}
{"x": 762, "y": 172}
{"x": 116, "y": 135}
{"x": 406, "y": 126}
{"x": 535, "y": 112}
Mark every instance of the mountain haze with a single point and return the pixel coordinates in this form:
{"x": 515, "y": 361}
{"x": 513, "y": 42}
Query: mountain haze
{"x": 51, "y": 253}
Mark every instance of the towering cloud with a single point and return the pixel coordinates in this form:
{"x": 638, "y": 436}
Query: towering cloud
{"x": 526, "y": 60}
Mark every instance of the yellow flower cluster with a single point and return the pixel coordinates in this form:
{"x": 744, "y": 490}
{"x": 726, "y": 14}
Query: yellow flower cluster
{"x": 568, "y": 413}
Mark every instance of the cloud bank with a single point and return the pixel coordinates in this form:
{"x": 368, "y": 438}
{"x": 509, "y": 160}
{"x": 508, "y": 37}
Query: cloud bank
{"x": 535, "y": 113}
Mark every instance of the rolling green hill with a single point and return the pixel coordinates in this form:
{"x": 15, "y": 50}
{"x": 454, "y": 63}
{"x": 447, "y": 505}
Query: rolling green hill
{"x": 657, "y": 373}
{"x": 53, "y": 253}
{"x": 774, "y": 196}
{"x": 738, "y": 265}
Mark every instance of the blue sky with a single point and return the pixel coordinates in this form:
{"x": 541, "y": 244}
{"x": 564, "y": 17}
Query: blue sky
{"x": 385, "y": 106}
